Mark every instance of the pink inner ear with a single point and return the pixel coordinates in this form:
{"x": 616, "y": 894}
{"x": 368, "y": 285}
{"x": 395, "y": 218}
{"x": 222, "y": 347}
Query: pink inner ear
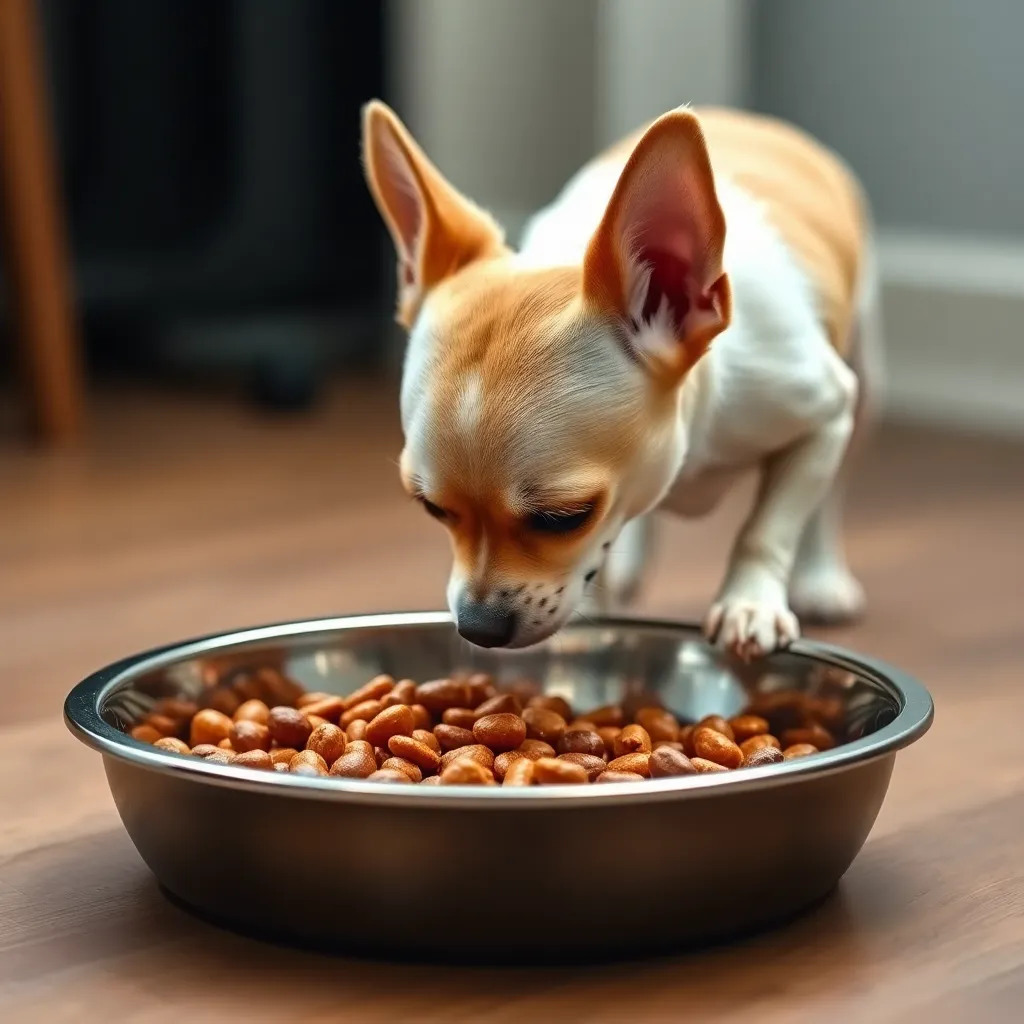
{"x": 674, "y": 230}
{"x": 670, "y": 280}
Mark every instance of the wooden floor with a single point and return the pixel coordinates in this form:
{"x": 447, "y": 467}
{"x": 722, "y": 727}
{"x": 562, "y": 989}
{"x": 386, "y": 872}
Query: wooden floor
{"x": 188, "y": 515}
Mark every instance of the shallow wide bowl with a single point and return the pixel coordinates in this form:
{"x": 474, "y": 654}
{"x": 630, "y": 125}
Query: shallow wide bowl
{"x": 493, "y": 873}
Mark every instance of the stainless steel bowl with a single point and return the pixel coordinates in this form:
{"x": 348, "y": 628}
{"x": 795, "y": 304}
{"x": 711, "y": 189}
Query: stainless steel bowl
{"x": 493, "y": 873}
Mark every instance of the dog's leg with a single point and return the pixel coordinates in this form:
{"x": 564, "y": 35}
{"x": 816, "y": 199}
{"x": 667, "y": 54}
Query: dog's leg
{"x": 751, "y": 615}
{"x": 823, "y": 589}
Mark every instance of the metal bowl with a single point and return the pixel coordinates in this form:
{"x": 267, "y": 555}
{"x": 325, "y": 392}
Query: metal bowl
{"x": 568, "y": 872}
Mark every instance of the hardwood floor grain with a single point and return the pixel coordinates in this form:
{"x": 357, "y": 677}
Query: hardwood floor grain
{"x": 190, "y": 515}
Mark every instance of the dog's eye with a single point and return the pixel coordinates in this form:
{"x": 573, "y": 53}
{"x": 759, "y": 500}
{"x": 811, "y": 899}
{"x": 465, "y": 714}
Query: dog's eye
{"x": 435, "y": 510}
{"x": 547, "y": 521}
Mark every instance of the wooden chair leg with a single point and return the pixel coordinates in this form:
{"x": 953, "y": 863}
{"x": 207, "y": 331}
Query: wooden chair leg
{"x": 35, "y": 245}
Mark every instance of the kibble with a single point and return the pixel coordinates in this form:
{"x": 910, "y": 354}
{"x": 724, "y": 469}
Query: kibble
{"x": 464, "y": 731}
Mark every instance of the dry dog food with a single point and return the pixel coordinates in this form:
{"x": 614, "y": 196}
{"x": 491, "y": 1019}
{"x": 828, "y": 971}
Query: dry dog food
{"x": 462, "y": 731}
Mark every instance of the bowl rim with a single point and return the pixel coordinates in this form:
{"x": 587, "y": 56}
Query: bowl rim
{"x": 82, "y": 716}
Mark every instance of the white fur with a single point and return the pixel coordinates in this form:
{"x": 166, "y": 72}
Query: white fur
{"x": 771, "y": 392}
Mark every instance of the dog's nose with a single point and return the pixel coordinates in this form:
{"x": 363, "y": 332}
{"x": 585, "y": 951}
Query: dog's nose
{"x": 485, "y": 625}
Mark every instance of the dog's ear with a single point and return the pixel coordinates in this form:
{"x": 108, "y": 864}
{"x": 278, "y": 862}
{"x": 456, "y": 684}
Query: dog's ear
{"x": 655, "y": 261}
{"x": 436, "y": 230}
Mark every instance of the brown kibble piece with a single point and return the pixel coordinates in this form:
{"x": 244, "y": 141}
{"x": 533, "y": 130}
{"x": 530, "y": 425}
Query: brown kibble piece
{"x": 463, "y": 718}
{"x": 666, "y": 762}
{"x": 376, "y": 688}
{"x": 315, "y": 721}
{"x": 674, "y": 744}
{"x": 719, "y": 724}
{"x": 639, "y": 762}
{"x": 581, "y": 741}
{"x": 281, "y": 755}
{"x": 633, "y": 739}
{"x": 252, "y": 711}
{"x": 686, "y": 739}
{"x": 551, "y": 703}
{"x": 220, "y": 757}
{"x": 542, "y": 724}
{"x": 799, "y": 750}
{"x": 405, "y": 691}
{"x": 610, "y": 714}
{"x": 222, "y": 699}
{"x": 608, "y": 734}
{"x": 441, "y": 694}
{"x": 329, "y": 709}
{"x": 354, "y": 764}
{"x": 209, "y": 726}
{"x": 659, "y": 723}
{"x": 289, "y": 727}
{"x": 500, "y": 732}
{"x": 394, "y": 721}
{"x": 163, "y": 724}
{"x": 745, "y": 726}
{"x": 145, "y": 734}
{"x": 431, "y": 780}
{"x": 401, "y": 764}
{"x": 425, "y": 758}
{"x": 356, "y": 730}
{"x": 617, "y": 776}
{"x": 465, "y": 771}
{"x": 762, "y": 756}
{"x": 421, "y": 716}
{"x": 367, "y": 710}
{"x": 553, "y": 771}
{"x": 312, "y": 697}
{"x": 815, "y": 735}
{"x": 713, "y": 745}
{"x": 453, "y": 736}
{"x": 225, "y": 744}
{"x": 592, "y": 765}
{"x": 504, "y": 761}
{"x": 280, "y": 766}
{"x": 705, "y": 767}
{"x": 519, "y": 772}
{"x": 765, "y": 739}
{"x": 481, "y": 688}
{"x": 476, "y": 751}
{"x": 389, "y": 775}
{"x": 426, "y": 736}
{"x": 172, "y": 745}
{"x": 535, "y": 749}
{"x": 502, "y": 703}
{"x": 205, "y": 750}
{"x": 254, "y": 759}
{"x": 307, "y": 759}
{"x": 328, "y": 741}
{"x": 249, "y": 735}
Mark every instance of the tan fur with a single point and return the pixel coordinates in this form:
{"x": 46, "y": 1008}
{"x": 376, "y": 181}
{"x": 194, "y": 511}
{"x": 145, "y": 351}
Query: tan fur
{"x": 813, "y": 200}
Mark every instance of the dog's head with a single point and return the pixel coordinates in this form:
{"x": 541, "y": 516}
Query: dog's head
{"x": 541, "y": 406}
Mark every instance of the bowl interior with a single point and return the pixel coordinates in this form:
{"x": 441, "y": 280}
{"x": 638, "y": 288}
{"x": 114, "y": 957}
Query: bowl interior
{"x": 587, "y": 664}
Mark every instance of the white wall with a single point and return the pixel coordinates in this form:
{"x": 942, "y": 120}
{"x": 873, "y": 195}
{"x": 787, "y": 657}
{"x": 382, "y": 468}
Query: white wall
{"x": 923, "y": 98}
{"x": 510, "y": 96}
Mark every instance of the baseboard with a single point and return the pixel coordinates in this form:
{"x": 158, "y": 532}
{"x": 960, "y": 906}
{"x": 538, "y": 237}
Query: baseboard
{"x": 953, "y": 316}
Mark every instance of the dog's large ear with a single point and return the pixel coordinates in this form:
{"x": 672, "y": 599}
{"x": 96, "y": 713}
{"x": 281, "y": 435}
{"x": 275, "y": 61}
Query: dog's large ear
{"x": 655, "y": 261}
{"x": 436, "y": 230}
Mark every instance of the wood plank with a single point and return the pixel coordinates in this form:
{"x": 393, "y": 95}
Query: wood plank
{"x": 188, "y": 515}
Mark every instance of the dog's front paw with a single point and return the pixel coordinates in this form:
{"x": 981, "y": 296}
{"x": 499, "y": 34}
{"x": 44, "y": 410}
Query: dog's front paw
{"x": 750, "y": 628}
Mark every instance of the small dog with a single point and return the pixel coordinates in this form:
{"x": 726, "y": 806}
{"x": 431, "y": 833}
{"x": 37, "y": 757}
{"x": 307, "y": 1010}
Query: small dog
{"x": 698, "y": 302}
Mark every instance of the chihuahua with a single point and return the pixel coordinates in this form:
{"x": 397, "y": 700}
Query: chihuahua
{"x": 697, "y": 303}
